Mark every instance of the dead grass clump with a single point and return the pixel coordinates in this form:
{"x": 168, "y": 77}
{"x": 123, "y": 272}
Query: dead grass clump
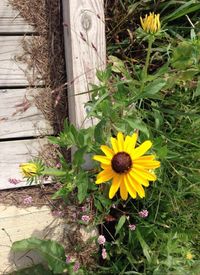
{"x": 44, "y": 56}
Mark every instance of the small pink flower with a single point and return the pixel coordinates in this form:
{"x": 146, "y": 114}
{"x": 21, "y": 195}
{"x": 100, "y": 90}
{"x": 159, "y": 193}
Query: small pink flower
{"x": 83, "y": 208}
{"x": 58, "y": 165}
{"x": 14, "y": 181}
{"x": 101, "y": 240}
{"x": 132, "y": 227}
{"x": 143, "y": 213}
{"x": 104, "y": 253}
{"x": 85, "y": 218}
{"x": 76, "y": 266}
{"x": 28, "y": 200}
{"x": 68, "y": 259}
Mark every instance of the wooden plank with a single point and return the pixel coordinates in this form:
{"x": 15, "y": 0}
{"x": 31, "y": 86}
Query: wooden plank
{"x": 12, "y": 153}
{"x": 84, "y": 31}
{"x": 20, "y": 223}
{"x": 19, "y": 117}
{"x": 12, "y": 72}
{"x": 17, "y": 224}
{"x": 11, "y": 21}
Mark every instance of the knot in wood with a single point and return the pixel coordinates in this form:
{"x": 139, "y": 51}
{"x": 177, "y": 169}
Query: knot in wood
{"x": 86, "y": 21}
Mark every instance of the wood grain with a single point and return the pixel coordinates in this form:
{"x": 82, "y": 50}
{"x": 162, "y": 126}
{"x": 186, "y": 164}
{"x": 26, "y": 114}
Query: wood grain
{"x": 19, "y": 117}
{"x": 12, "y": 153}
{"x": 84, "y": 31}
{"x": 12, "y": 72}
{"x": 11, "y": 21}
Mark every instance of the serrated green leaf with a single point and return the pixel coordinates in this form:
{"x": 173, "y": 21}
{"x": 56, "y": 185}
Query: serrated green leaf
{"x": 152, "y": 88}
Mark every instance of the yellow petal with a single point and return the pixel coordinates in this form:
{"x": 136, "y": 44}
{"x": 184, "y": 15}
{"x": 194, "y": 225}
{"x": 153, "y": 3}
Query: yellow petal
{"x": 102, "y": 159}
{"x": 131, "y": 143}
{"x": 145, "y": 174}
{"x": 107, "y": 151}
{"x": 114, "y": 145}
{"x": 129, "y": 187}
{"x": 138, "y": 177}
{"x": 115, "y": 186}
{"x": 105, "y": 166}
{"x": 147, "y": 158}
{"x": 141, "y": 150}
{"x": 104, "y": 175}
{"x": 120, "y": 139}
{"x": 137, "y": 186}
{"x": 147, "y": 164}
{"x": 123, "y": 190}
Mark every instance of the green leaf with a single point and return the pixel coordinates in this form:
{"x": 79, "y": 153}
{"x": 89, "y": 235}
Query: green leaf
{"x": 82, "y": 185}
{"x": 33, "y": 270}
{"x": 98, "y": 130}
{"x": 137, "y": 124}
{"x": 152, "y": 88}
{"x": 144, "y": 245}
{"x": 197, "y": 92}
{"x": 121, "y": 222}
{"x": 117, "y": 64}
{"x": 78, "y": 157}
{"x": 52, "y": 252}
{"x": 185, "y": 9}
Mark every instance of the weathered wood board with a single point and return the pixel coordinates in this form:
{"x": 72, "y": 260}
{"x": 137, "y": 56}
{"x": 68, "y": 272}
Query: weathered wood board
{"x": 84, "y": 31}
{"x": 19, "y": 117}
{"x": 19, "y": 223}
{"x": 12, "y": 153}
{"x": 12, "y": 72}
{"x": 10, "y": 20}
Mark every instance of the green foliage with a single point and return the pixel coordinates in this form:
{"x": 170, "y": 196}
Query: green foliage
{"x": 155, "y": 91}
{"x": 52, "y": 252}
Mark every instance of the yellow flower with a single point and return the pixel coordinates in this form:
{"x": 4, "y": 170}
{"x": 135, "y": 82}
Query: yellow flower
{"x": 126, "y": 166}
{"x": 29, "y": 170}
{"x": 151, "y": 23}
{"x": 189, "y": 256}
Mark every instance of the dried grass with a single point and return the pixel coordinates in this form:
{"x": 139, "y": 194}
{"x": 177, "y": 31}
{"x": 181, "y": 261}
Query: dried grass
{"x": 44, "y": 56}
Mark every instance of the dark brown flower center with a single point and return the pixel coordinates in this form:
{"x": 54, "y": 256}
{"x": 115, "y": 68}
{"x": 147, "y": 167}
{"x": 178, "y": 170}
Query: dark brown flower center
{"x": 121, "y": 162}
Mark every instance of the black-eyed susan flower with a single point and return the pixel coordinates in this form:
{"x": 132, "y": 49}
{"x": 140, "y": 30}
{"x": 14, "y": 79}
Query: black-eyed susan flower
{"x": 151, "y": 23}
{"x": 126, "y": 166}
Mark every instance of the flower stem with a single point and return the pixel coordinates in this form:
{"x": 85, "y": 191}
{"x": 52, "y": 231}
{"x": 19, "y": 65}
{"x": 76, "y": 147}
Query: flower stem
{"x": 146, "y": 66}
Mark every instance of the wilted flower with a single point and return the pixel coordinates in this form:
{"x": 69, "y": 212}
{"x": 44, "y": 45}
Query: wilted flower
{"x": 29, "y": 170}
{"x": 28, "y": 200}
{"x": 14, "y": 181}
{"x": 151, "y": 23}
{"x": 83, "y": 208}
{"x": 132, "y": 227}
{"x": 76, "y": 266}
{"x": 85, "y": 218}
{"x": 101, "y": 240}
{"x": 104, "y": 253}
{"x": 143, "y": 213}
{"x": 126, "y": 166}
